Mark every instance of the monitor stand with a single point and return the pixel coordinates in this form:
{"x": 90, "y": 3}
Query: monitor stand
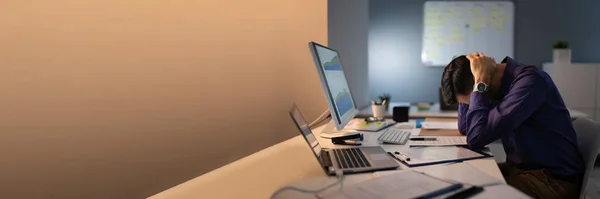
{"x": 330, "y": 131}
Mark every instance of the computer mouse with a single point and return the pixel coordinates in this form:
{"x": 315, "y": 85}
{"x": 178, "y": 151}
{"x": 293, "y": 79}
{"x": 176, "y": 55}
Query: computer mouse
{"x": 405, "y": 125}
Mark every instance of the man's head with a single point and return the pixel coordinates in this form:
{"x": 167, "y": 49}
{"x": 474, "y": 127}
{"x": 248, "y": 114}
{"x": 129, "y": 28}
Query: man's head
{"x": 457, "y": 81}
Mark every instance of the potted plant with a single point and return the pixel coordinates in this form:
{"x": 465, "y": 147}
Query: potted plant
{"x": 562, "y": 52}
{"x": 387, "y": 98}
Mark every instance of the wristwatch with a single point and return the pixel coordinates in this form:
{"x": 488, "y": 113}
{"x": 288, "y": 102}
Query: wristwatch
{"x": 480, "y": 87}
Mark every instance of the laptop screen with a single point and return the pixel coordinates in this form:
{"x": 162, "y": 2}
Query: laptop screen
{"x": 305, "y": 131}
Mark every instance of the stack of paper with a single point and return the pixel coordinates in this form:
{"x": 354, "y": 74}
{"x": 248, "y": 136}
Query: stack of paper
{"x": 441, "y": 141}
{"x": 403, "y": 184}
{"x": 362, "y": 125}
{"x": 461, "y": 172}
{"x": 467, "y": 174}
{"x": 501, "y": 191}
{"x": 440, "y": 125}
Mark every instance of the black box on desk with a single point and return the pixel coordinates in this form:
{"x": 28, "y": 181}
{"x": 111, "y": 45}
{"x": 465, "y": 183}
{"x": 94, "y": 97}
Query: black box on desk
{"x": 400, "y": 113}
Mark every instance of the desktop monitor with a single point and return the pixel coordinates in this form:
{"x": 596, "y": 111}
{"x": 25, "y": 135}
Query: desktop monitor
{"x": 340, "y": 101}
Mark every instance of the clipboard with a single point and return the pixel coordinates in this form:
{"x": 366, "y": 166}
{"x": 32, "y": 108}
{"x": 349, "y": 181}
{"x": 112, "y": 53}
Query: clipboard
{"x": 423, "y": 156}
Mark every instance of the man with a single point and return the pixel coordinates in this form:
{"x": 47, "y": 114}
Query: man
{"x": 519, "y": 104}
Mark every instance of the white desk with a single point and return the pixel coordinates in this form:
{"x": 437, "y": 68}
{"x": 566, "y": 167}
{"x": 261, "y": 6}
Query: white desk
{"x": 262, "y": 173}
{"x": 435, "y": 111}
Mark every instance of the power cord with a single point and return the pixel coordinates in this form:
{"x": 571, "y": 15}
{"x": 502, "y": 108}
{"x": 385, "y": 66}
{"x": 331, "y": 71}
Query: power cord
{"x": 324, "y": 116}
{"x": 340, "y": 181}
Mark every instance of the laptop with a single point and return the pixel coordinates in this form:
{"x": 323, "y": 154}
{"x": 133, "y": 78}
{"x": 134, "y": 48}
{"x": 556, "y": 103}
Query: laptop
{"x": 348, "y": 160}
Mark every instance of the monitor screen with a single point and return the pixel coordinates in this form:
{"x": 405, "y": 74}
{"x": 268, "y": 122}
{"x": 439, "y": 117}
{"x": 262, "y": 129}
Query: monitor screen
{"x": 305, "y": 131}
{"x": 334, "y": 83}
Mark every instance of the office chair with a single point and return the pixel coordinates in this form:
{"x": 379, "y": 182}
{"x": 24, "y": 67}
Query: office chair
{"x": 588, "y": 136}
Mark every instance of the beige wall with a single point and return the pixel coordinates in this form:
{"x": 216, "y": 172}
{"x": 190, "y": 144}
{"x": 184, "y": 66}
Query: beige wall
{"x": 123, "y": 98}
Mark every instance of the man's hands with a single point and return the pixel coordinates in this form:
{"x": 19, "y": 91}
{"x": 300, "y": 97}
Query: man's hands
{"x": 482, "y": 67}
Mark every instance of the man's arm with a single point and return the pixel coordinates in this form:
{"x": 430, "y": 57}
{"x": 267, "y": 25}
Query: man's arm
{"x": 462, "y": 118}
{"x": 489, "y": 124}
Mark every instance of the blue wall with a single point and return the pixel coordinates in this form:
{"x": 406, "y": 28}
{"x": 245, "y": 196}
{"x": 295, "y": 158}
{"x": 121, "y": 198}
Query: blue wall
{"x": 348, "y": 32}
{"x": 395, "y": 36}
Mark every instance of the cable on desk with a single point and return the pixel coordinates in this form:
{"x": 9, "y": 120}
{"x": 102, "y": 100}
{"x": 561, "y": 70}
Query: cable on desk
{"x": 326, "y": 115}
{"x": 340, "y": 181}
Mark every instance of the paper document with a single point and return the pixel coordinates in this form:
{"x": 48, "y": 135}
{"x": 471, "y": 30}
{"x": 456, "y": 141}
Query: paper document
{"x": 440, "y": 125}
{"x": 441, "y": 141}
{"x": 461, "y": 173}
{"x": 403, "y": 184}
{"x": 362, "y": 125}
{"x": 390, "y": 172}
{"x": 501, "y": 191}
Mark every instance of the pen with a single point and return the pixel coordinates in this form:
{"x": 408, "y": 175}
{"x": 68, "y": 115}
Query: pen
{"x": 441, "y": 191}
{"x": 404, "y": 156}
{"x": 423, "y": 139}
{"x": 393, "y": 156}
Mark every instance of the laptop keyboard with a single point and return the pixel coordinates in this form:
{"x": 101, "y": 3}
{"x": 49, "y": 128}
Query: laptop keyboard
{"x": 394, "y": 136}
{"x": 350, "y": 158}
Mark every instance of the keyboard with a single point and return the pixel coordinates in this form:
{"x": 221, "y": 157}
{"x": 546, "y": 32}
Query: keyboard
{"x": 350, "y": 158}
{"x": 394, "y": 136}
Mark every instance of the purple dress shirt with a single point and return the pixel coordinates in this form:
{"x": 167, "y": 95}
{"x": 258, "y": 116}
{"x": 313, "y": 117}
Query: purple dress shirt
{"x": 531, "y": 119}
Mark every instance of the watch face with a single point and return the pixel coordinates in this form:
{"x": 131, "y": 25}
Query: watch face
{"x": 481, "y": 87}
